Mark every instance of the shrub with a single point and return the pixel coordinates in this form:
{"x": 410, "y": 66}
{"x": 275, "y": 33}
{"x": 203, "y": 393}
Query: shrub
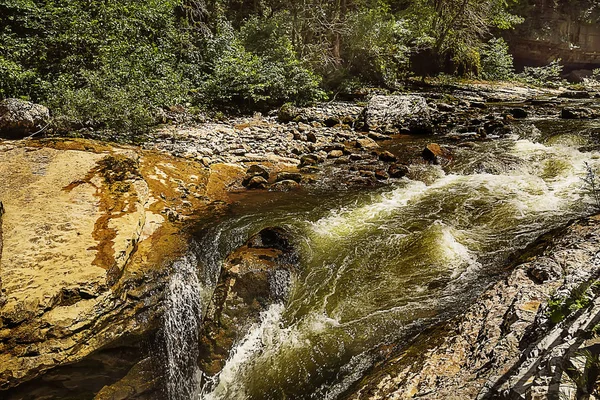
{"x": 549, "y": 75}
{"x": 496, "y": 61}
{"x": 245, "y": 76}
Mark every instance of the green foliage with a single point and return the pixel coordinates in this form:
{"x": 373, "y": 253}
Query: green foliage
{"x": 549, "y": 75}
{"x": 581, "y": 297}
{"x": 496, "y": 61}
{"x": 377, "y": 50}
{"x": 248, "y": 76}
{"x": 114, "y": 64}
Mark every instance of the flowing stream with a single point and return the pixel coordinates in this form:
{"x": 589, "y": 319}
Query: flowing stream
{"x": 379, "y": 266}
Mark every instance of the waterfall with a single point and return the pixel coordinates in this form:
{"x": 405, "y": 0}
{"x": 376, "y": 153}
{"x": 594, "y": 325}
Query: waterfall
{"x": 182, "y": 321}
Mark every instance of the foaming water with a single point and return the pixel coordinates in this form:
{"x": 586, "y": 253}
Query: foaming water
{"x": 377, "y": 268}
{"x": 182, "y": 319}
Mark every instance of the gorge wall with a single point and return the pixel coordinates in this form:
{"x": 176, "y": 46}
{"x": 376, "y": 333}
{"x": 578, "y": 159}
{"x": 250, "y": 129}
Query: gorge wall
{"x": 554, "y": 29}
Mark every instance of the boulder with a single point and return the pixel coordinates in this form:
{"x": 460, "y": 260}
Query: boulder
{"x": 577, "y": 113}
{"x": 258, "y": 170}
{"x": 257, "y": 182}
{"x": 432, "y": 153}
{"x": 285, "y": 186}
{"x": 403, "y": 111}
{"x": 289, "y": 176}
{"x": 519, "y": 113}
{"x": 575, "y": 94}
{"x": 397, "y": 170}
{"x": 253, "y": 277}
{"x": 366, "y": 144}
{"x": 20, "y": 118}
{"x": 386, "y": 156}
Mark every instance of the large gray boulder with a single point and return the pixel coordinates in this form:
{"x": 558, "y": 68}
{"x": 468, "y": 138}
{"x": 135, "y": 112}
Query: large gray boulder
{"x": 406, "y": 112}
{"x": 19, "y": 118}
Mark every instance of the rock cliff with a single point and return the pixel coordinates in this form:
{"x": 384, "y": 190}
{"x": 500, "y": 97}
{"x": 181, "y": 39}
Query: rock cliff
{"x": 557, "y": 29}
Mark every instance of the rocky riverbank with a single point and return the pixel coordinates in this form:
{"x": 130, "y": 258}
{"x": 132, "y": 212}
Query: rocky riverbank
{"x": 91, "y": 230}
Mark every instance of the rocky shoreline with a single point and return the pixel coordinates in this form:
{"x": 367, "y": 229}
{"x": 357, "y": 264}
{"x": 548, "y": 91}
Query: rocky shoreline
{"x": 92, "y": 229}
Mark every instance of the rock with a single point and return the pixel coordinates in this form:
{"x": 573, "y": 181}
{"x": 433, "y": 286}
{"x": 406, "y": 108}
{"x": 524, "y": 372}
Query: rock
{"x": 285, "y": 185}
{"x": 378, "y": 136}
{"x": 445, "y": 107}
{"x": 20, "y": 118}
{"x": 408, "y": 111}
{"x": 519, "y": 113}
{"x": 256, "y": 182}
{"x": 309, "y": 159}
{"x": 366, "y": 144}
{"x": 258, "y": 170}
{"x": 311, "y": 137}
{"x": 575, "y": 94}
{"x": 579, "y": 75}
{"x": 397, "y": 170}
{"x": 288, "y": 176}
{"x": 386, "y": 156}
{"x": 545, "y": 269}
{"x": 577, "y": 113}
{"x": 432, "y": 152}
{"x": 335, "y": 154}
{"x": 255, "y": 276}
{"x": 330, "y": 122}
{"x": 478, "y": 104}
{"x": 381, "y": 175}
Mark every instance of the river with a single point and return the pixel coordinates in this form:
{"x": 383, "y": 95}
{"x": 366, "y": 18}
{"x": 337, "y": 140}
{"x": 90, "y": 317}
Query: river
{"x": 380, "y": 265}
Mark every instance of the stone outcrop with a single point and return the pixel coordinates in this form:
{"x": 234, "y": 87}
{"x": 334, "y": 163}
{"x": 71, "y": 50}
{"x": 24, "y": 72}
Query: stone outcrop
{"x": 87, "y": 246}
{"x": 19, "y": 118}
{"x": 557, "y": 29}
{"x": 512, "y": 343}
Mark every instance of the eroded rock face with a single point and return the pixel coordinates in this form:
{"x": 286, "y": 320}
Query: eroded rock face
{"x": 253, "y": 277}
{"x": 19, "y": 118}
{"x": 557, "y": 29}
{"x": 409, "y": 112}
{"x": 87, "y": 246}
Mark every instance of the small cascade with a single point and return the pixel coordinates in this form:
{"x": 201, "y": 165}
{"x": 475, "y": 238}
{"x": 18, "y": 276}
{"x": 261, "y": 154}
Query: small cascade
{"x": 182, "y": 319}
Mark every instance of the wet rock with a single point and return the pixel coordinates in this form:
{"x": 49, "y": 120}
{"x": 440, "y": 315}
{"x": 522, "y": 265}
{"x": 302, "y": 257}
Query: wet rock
{"x": 397, "y": 170}
{"x": 285, "y": 185}
{"x": 432, "y": 153}
{"x": 19, "y": 118}
{"x": 387, "y": 156}
{"x": 519, "y": 113}
{"x": 381, "y": 175}
{"x": 577, "y": 113}
{"x": 253, "y": 277}
{"x": 291, "y": 176}
{"x": 256, "y": 182}
{"x": 408, "y": 111}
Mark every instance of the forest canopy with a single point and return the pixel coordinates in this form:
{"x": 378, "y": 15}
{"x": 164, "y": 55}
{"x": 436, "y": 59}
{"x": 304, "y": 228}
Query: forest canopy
{"x": 113, "y": 64}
